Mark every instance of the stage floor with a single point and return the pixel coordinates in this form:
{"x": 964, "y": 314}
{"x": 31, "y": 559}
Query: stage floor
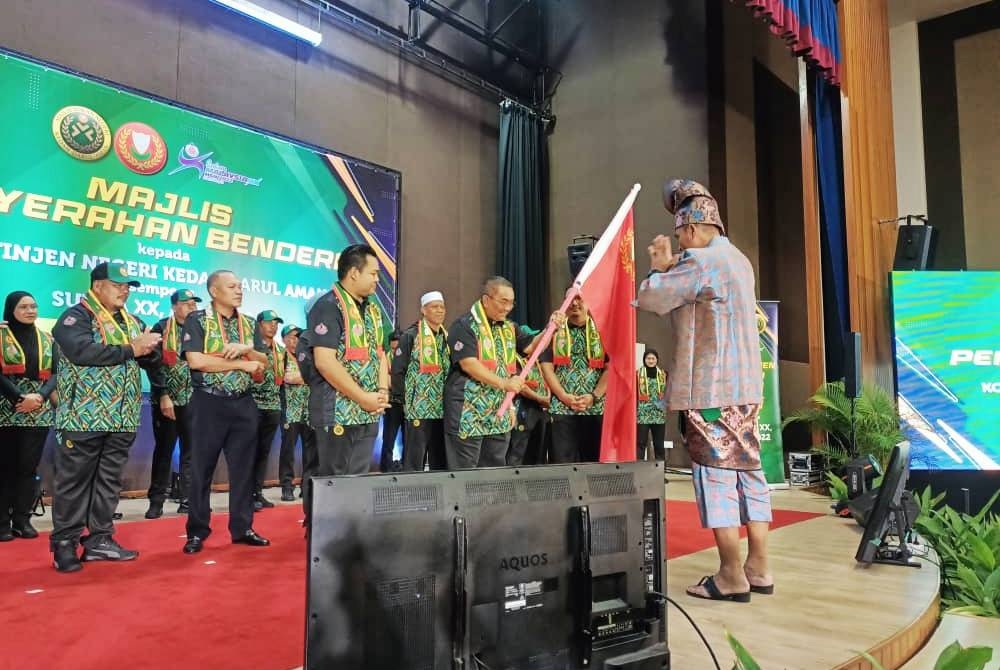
{"x": 825, "y": 608}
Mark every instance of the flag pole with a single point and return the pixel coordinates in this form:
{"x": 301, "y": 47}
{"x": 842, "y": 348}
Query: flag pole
{"x": 609, "y": 235}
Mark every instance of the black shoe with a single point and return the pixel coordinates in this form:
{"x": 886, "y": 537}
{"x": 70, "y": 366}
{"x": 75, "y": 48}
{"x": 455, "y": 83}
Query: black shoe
{"x": 253, "y": 539}
{"x": 257, "y": 505}
{"x": 6, "y": 534}
{"x": 24, "y": 530}
{"x": 117, "y": 516}
{"x": 106, "y": 549}
{"x": 193, "y": 545}
{"x": 264, "y": 502}
{"x": 64, "y": 556}
{"x": 183, "y": 507}
{"x": 155, "y": 510}
{"x": 287, "y": 494}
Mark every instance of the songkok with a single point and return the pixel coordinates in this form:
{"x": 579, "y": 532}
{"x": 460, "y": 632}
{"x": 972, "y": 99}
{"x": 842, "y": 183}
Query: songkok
{"x": 690, "y": 202}
{"x": 431, "y": 296}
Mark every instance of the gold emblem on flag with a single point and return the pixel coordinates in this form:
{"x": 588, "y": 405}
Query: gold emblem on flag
{"x": 627, "y": 252}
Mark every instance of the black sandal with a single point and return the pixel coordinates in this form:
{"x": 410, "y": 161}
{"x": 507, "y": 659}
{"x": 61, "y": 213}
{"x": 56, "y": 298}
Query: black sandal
{"x": 708, "y": 581}
{"x": 763, "y": 590}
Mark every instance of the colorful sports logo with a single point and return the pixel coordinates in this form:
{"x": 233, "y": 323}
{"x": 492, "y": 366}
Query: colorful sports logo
{"x": 140, "y": 148}
{"x": 82, "y": 133}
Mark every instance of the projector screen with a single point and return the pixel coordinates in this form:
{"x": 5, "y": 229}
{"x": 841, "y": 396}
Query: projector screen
{"x": 90, "y": 172}
{"x": 947, "y": 348}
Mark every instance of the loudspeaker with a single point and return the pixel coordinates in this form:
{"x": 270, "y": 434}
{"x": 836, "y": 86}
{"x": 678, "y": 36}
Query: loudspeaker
{"x": 579, "y": 252}
{"x": 915, "y": 246}
{"x": 852, "y": 365}
{"x": 859, "y": 475}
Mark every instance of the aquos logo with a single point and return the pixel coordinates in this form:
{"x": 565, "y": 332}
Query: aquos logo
{"x": 524, "y": 562}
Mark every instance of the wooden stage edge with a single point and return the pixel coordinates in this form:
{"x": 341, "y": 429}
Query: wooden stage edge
{"x": 826, "y": 609}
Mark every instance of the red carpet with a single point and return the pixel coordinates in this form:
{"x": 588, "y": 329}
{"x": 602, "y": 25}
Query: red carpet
{"x": 168, "y": 610}
{"x": 686, "y": 536}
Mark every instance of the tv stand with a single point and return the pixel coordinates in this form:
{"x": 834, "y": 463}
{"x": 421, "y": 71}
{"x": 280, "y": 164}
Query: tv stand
{"x": 896, "y": 554}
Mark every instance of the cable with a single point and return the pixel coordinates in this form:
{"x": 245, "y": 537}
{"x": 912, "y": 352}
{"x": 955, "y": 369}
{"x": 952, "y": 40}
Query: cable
{"x": 479, "y": 662}
{"x": 693, "y": 624}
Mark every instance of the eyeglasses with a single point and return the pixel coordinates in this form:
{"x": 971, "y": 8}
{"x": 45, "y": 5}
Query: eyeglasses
{"x": 506, "y": 303}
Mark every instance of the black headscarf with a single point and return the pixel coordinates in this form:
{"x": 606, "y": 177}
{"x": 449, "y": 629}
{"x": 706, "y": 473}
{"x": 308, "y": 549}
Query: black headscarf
{"x": 24, "y": 332}
{"x": 650, "y": 371}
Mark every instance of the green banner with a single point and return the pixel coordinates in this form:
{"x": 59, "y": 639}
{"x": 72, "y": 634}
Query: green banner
{"x": 92, "y": 172}
{"x": 772, "y": 455}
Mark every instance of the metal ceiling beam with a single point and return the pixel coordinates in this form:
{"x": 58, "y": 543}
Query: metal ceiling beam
{"x": 393, "y": 39}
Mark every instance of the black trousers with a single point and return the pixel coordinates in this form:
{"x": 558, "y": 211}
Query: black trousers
{"x": 391, "y": 423}
{"x": 88, "y": 482}
{"x": 290, "y": 434}
{"x": 527, "y": 441}
{"x": 229, "y": 426}
{"x": 658, "y": 431}
{"x": 576, "y": 438}
{"x": 20, "y": 453}
{"x": 424, "y": 443}
{"x": 349, "y": 453}
{"x": 166, "y": 433}
{"x": 269, "y": 420}
{"x": 487, "y": 451}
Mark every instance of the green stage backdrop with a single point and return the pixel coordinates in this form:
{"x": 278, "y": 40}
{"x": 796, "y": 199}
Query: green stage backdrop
{"x": 90, "y": 172}
{"x": 772, "y": 453}
{"x": 94, "y": 173}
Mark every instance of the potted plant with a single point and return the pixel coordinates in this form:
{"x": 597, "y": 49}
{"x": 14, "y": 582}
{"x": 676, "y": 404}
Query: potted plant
{"x": 875, "y": 425}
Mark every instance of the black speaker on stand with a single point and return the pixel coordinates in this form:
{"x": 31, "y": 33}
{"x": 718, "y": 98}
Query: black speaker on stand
{"x": 852, "y": 379}
{"x": 578, "y": 252}
{"x": 915, "y": 244}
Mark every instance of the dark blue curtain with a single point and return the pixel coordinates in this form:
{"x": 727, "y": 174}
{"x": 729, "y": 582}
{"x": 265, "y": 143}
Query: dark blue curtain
{"x": 521, "y": 225}
{"x": 833, "y": 227}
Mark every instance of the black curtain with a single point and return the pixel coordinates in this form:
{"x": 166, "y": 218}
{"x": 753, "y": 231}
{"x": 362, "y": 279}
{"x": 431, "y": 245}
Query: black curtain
{"x": 521, "y": 227}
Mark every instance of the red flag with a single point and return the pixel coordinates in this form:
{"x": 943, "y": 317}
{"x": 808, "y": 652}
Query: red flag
{"x": 607, "y": 283}
{"x": 609, "y": 291}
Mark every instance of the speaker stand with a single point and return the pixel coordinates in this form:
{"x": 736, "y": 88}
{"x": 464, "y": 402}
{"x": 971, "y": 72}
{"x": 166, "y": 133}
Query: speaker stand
{"x": 854, "y": 428}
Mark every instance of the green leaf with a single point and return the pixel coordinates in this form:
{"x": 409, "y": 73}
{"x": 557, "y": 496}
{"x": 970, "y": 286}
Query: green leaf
{"x": 744, "y": 661}
{"x": 955, "y": 657}
{"x": 982, "y": 552}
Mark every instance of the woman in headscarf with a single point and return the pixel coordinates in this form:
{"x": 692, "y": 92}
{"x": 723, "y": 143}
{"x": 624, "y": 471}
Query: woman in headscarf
{"x": 27, "y": 380}
{"x": 652, "y": 385}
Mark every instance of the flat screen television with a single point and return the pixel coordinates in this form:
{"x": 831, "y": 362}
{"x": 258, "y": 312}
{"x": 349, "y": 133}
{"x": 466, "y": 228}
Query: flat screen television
{"x": 535, "y": 568}
{"x": 889, "y": 516}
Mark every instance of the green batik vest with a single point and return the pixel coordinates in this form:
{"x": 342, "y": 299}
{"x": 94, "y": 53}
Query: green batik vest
{"x": 424, "y": 392}
{"x": 365, "y": 373}
{"x": 267, "y": 394}
{"x": 577, "y": 378}
{"x": 104, "y": 399}
{"x": 40, "y": 418}
{"x": 177, "y": 381}
{"x": 479, "y": 410}
{"x": 233, "y": 381}
{"x": 651, "y": 410}
{"x": 296, "y": 397}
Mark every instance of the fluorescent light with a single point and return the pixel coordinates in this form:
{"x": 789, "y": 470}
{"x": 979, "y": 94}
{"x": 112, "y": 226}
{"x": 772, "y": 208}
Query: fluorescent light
{"x": 276, "y": 21}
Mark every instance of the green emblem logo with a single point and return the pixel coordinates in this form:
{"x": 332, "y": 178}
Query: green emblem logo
{"x": 82, "y": 133}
